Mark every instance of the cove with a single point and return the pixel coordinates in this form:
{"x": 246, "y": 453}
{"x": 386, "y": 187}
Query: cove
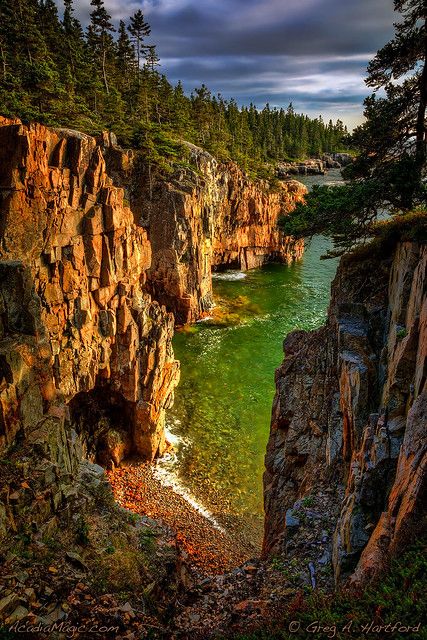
{"x": 220, "y": 420}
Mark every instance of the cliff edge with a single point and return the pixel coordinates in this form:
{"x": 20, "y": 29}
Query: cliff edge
{"x": 209, "y": 216}
{"x": 75, "y": 304}
{"x": 350, "y": 414}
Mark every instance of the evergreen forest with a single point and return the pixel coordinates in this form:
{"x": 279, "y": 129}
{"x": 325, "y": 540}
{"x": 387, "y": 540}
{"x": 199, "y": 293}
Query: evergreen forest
{"x": 108, "y": 77}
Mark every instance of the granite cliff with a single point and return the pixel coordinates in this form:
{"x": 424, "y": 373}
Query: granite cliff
{"x": 94, "y": 257}
{"x": 87, "y": 264}
{"x": 87, "y": 372}
{"x": 89, "y": 255}
{"x": 79, "y": 330}
{"x": 350, "y": 415}
{"x": 206, "y": 217}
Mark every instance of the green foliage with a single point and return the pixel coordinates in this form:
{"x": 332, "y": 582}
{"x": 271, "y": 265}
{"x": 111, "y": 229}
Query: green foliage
{"x": 278, "y": 564}
{"x": 54, "y": 72}
{"x": 339, "y": 212}
{"x": 82, "y": 531}
{"x": 399, "y": 595}
{"x": 147, "y": 539}
{"x": 401, "y": 333}
{"x": 408, "y": 227}
{"x": 389, "y": 172}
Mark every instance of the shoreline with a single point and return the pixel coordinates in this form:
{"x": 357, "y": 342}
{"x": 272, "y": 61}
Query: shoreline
{"x": 213, "y": 543}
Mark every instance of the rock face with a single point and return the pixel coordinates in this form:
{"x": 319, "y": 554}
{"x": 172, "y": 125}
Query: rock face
{"x": 78, "y": 329}
{"x": 312, "y": 167}
{"x": 351, "y": 412}
{"x": 87, "y": 263}
{"x": 208, "y": 219}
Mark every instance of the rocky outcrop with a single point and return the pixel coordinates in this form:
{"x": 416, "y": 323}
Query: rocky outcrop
{"x": 87, "y": 372}
{"x": 350, "y": 412}
{"x": 312, "y": 167}
{"x": 207, "y": 218}
{"x": 78, "y": 327}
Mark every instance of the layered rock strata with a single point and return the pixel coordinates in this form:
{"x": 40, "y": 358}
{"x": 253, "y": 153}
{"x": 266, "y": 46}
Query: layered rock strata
{"x": 350, "y": 412}
{"x": 80, "y": 335}
{"x": 209, "y": 218}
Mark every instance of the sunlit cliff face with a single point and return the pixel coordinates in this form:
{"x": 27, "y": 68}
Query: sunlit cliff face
{"x": 313, "y": 53}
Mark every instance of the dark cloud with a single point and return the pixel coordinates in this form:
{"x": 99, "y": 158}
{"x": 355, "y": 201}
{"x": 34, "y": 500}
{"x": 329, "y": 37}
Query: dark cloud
{"x": 313, "y": 52}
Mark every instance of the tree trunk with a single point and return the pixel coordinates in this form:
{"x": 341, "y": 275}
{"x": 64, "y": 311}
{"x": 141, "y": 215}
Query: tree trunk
{"x": 3, "y": 57}
{"x": 422, "y": 106}
{"x": 104, "y": 73}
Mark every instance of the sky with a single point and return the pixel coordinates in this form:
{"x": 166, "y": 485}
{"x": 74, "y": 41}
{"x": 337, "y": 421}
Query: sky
{"x": 312, "y": 53}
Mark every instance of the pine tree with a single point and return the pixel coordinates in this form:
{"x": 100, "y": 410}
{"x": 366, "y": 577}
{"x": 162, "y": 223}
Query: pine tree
{"x": 73, "y": 34}
{"x": 180, "y": 113}
{"x": 52, "y": 71}
{"x": 393, "y": 139}
{"x": 202, "y": 111}
{"x": 389, "y": 172}
{"x": 139, "y": 30}
{"x": 125, "y": 56}
{"x": 100, "y": 31}
{"x": 151, "y": 58}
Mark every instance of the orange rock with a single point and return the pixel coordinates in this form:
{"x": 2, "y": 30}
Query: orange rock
{"x": 85, "y": 263}
{"x": 224, "y": 219}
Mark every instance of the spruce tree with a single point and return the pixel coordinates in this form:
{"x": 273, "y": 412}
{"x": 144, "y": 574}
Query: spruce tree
{"x": 389, "y": 172}
{"x": 125, "y": 56}
{"x": 151, "y": 58}
{"x": 139, "y": 30}
{"x": 100, "y": 39}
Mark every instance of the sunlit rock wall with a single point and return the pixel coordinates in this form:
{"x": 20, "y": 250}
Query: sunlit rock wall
{"x": 207, "y": 218}
{"x": 75, "y": 312}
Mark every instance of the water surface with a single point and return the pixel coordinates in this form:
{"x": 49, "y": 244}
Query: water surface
{"x": 221, "y": 417}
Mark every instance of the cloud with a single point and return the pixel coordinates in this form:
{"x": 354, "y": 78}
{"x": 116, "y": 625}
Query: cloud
{"x": 313, "y": 52}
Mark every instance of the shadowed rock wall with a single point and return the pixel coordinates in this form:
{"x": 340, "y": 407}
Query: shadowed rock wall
{"x": 352, "y": 397}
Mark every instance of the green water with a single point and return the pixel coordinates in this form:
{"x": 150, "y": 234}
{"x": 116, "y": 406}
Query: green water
{"x": 223, "y": 403}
